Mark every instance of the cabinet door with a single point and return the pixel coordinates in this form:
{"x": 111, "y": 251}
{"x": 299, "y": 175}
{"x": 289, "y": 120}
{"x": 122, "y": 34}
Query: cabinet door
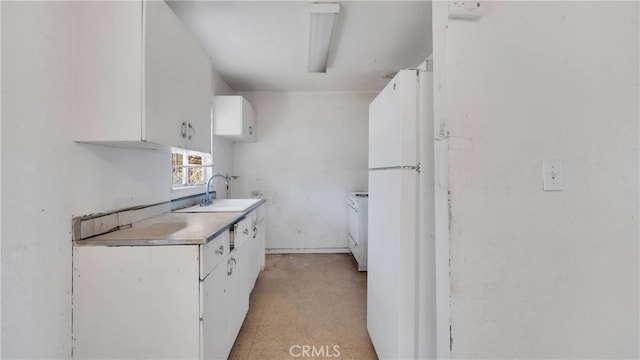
{"x": 257, "y": 247}
{"x": 245, "y": 273}
{"x": 262, "y": 234}
{"x": 135, "y": 302}
{"x": 248, "y": 121}
{"x": 238, "y": 291}
{"x": 107, "y": 73}
{"x": 215, "y": 313}
{"x": 234, "y": 118}
{"x": 177, "y": 80}
{"x": 254, "y": 254}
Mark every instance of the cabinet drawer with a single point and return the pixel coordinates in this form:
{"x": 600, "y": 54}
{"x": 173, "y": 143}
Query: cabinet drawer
{"x": 253, "y": 217}
{"x": 213, "y": 253}
{"x": 260, "y": 212}
{"x": 242, "y": 232}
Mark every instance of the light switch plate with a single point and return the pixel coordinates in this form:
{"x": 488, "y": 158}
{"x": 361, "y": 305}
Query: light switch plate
{"x": 466, "y": 10}
{"x": 552, "y": 175}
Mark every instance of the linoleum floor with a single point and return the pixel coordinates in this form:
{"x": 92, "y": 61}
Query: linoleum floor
{"x": 307, "y": 306}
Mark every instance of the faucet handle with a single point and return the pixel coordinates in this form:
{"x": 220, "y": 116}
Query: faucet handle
{"x": 204, "y": 201}
{"x": 207, "y": 200}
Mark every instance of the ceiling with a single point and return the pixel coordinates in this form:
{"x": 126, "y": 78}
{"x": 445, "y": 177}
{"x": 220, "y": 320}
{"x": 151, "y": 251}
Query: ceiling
{"x": 263, "y": 45}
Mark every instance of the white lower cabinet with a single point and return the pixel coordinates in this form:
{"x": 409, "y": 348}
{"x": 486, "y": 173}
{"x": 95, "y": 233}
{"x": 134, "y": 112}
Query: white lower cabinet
{"x": 239, "y": 291}
{"x": 228, "y": 287}
{"x": 136, "y": 302}
{"x": 226, "y": 303}
{"x": 161, "y": 302}
{"x": 215, "y": 317}
{"x": 257, "y": 250}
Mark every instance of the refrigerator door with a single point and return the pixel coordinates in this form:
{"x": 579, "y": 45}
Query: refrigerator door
{"x": 393, "y": 116}
{"x": 391, "y": 278}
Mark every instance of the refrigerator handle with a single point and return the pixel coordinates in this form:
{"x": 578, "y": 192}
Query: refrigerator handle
{"x": 416, "y": 168}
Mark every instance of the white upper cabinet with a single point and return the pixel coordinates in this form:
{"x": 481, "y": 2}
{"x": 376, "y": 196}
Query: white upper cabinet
{"x": 234, "y": 118}
{"x": 140, "y": 79}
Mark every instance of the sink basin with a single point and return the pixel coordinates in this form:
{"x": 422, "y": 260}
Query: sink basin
{"x": 224, "y": 205}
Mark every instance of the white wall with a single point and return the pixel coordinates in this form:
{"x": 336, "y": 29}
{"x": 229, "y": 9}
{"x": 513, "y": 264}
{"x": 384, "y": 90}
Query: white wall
{"x": 544, "y": 274}
{"x": 37, "y": 201}
{"x": 47, "y": 179}
{"x": 223, "y": 149}
{"x": 441, "y": 183}
{"x": 0, "y": 185}
{"x": 312, "y": 148}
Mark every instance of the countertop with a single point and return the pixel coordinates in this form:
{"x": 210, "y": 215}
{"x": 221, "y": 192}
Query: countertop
{"x": 174, "y": 228}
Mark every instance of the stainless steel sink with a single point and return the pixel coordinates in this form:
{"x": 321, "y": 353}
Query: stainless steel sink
{"x": 224, "y": 205}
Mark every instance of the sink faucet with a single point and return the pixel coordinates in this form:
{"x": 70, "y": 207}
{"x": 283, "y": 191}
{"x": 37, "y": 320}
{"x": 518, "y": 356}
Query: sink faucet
{"x": 206, "y": 199}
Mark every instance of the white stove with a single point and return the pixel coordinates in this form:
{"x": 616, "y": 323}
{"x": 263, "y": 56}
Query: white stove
{"x": 357, "y": 203}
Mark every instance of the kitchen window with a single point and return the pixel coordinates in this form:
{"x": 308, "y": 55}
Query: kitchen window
{"x": 189, "y": 168}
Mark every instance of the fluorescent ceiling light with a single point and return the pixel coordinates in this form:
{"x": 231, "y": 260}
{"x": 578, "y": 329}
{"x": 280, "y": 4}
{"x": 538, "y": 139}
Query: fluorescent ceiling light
{"x": 323, "y": 21}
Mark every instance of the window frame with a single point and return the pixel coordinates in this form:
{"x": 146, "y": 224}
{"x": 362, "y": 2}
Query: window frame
{"x": 206, "y": 166}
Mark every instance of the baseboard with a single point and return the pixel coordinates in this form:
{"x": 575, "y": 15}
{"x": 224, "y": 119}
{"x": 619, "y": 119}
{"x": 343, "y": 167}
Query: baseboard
{"x": 337, "y": 250}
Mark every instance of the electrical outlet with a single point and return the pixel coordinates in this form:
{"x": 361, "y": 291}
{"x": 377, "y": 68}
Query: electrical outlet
{"x": 552, "y": 175}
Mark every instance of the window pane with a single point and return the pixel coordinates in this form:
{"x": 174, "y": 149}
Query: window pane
{"x": 189, "y": 168}
{"x": 195, "y": 160}
{"x": 176, "y": 159}
{"x": 195, "y": 175}
{"x": 177, "y": 175}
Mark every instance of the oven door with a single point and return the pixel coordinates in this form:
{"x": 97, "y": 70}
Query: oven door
{"x": 354, "y": 230}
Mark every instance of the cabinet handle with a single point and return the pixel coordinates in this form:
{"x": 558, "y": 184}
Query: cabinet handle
{"x": 250, "y": 130}
{"x": 255, "y": 232}
{"x": 220, "y": 250}
{"x": 246, "y": 231}
{"x": 184, "y": 129}
{"x": 192, "y": 131}
{"x": 231, "y": 264}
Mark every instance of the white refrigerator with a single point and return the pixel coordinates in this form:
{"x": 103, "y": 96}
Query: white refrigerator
{"x": 401, "y": 272}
